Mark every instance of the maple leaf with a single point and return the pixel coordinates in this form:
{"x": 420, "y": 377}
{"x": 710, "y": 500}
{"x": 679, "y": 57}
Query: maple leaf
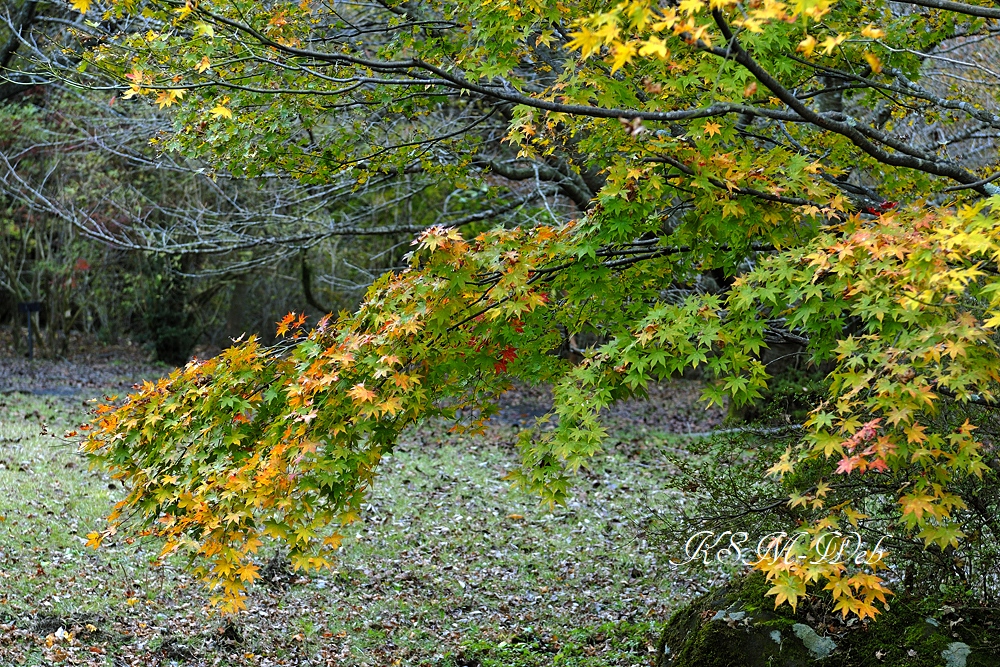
{"x": 943, "y": 536}
{"x": 915, "y": 433}
{"x": 167, "y": 97}
{"x": 874, "y": 62}
{"x": 391, "y": 405}
{"x": 849, "y": 463}
{"x": 783, "y": 465}
{"x": 838, "y": 586}
{"x": 248, "y": 572}
{"x": 185, "y": 11}
{"x": 220, "y": 111}
{"x": 654, "y": 46}
{"x": 712, "y": 128}
{"x": 285, "y": 323}
{"x": 807, "y": 45}
{"x": 914, "y": 506}
{"x": 878, "y": 465}
{"x": 623, "y": 54}
{"x": 361, "y": 394}
{"x": 404, "y": 381}
{"x": 796, "y": 499}
{"x": 81, "y": 5}
{"x": 848, "y": 604}
{"x": 389, "y": 360}
{"x": 853, "y": 516}
{"x": 830, "y": 43}
{"x": 871, "y": 32}
{"x": 691, "y": 6}
{"x": 787, "y": 588}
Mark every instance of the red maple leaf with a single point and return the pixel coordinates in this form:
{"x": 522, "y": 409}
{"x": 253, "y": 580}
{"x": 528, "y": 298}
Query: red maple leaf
{"x": 849, "y": 463}
{"x": 878, "y": 465}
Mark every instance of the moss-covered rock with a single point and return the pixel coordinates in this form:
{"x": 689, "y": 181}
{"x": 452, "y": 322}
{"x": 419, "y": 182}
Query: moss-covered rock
{"x": 737, "y": 626}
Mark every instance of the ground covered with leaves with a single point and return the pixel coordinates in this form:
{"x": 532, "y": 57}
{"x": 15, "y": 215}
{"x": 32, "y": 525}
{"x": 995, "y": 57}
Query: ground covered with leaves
{"x": 449, "y": 566}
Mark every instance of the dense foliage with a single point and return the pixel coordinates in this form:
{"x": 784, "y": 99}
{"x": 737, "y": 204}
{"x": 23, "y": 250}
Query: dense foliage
{"x": 753, "y": 176}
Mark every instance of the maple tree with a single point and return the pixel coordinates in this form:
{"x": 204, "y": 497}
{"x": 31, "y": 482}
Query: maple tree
{"x": 802, "y": 153}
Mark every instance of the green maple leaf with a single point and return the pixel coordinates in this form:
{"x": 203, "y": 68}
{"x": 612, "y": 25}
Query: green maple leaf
{"x": 942, "y": 536}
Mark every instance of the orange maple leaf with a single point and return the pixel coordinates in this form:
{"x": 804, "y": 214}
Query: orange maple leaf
{"x": 360, "y": 393}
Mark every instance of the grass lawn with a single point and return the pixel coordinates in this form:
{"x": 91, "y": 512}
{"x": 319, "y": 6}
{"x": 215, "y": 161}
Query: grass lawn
{"x": 448, "y": 567}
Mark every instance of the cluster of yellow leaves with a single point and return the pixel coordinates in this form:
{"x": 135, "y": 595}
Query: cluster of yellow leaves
{"x": 165, "y": 98}
{"x": 919, "y": 280}
{"x": 635, "y": 28}
{"x": 826, "y": 557}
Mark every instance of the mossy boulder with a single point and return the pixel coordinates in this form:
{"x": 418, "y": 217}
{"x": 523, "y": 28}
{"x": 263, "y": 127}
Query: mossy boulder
{"x": 737, "y": 626}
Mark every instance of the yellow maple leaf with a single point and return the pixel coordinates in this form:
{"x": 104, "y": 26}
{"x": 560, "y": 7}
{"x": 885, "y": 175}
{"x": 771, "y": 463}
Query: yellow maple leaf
{"x": 874, "y": 62}
{"x": 167, "y": 97}
{"x": 203, "y": 65}
{"x": 221, "y": 112}
{"x": 783, "y": 465}
{"x": 830, "y": 43}
{"x": 691, "y": 6}
{"x": 391, "y": 406}
{"x": 712, "y": 128}
{"x": 838, "y": 586}
{"x": 871, "y": 32}
{"x": 807, "y": 45}
{"x": 667, "y": 21}
{"x": 623, "y": 54}
{"x": 81, "y": 5}
{"x": 587, "y": 41}
{"x": 654, "y": 46}
{"x": 185, "y": 11}
{"x": 849, "y": 603}
{"x": 248, "y": 572}
{"x": 916, "y": 505}
{"x": 752, "y": 25}
{"x": 854, "y": 516}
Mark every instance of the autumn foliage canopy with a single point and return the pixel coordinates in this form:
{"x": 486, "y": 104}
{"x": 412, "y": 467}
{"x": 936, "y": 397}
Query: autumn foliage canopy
{"x": 778, "y": 145}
